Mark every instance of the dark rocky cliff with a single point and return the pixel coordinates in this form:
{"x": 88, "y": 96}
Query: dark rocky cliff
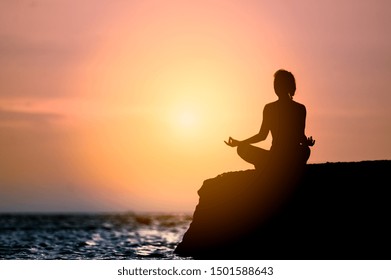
{"x": 324, "y": 211}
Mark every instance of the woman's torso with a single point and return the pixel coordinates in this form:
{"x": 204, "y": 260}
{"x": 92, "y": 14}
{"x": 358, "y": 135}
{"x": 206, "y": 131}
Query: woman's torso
{"x": 286, "y": 121}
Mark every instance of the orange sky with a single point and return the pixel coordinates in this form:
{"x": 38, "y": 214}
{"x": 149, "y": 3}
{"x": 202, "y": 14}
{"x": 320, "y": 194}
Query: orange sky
{"x": 124, "y": 105}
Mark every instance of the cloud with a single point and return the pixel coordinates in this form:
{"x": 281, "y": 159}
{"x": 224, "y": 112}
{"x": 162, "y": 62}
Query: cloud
{"x": 43, "y": 44}
{"x": 10, "y": 117}
{"x": 36, "y": 69}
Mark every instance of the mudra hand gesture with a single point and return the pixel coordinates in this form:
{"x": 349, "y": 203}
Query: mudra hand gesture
{"x": 232, "y": 142}
{"x": 310, "y": 142}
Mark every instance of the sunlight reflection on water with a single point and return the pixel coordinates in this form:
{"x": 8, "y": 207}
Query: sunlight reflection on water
{"x": 92, "y": 236}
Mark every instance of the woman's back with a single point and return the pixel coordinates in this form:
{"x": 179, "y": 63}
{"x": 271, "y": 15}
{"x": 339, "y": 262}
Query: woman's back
{"x": 285, "y": 119}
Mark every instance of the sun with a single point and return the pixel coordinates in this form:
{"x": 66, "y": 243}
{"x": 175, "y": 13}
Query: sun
{"x": 187, "y": 119}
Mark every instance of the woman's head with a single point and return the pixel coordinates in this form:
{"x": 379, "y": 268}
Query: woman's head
{"x": 284, "y": 83}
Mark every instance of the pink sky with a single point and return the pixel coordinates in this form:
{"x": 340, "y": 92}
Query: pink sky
{"x": 124, "y": 105}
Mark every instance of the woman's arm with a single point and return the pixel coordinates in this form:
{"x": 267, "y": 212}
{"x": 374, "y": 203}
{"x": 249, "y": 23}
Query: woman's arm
{"x": 260, "y": 136}
{"x": 306, "y": 141}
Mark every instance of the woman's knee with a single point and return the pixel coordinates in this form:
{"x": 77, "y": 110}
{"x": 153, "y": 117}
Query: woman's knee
{"x": 242, "y": 150}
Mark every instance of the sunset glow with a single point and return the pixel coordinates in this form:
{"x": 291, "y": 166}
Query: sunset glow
{"x": 124, "y": 105}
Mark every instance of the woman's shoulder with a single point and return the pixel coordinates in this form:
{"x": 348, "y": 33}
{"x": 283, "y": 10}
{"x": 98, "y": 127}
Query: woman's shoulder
{"x": 300, "y": 109}
{"x": 270, "y": 107}
{"x": 298, "y": 105}
{"x": 271, "y": 104}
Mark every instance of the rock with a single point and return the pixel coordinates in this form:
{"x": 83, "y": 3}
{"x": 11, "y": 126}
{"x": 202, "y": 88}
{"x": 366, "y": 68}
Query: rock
{"x": 324, "y": 211}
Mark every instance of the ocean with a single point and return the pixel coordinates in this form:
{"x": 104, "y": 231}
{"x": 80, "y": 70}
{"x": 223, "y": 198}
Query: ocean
{"x": 91, "y": 236}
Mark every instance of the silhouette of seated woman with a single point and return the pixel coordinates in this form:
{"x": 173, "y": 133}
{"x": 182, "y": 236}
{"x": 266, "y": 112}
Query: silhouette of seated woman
{"x": 285, "y": 119}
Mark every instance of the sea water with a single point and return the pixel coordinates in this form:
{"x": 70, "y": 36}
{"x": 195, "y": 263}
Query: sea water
{"x": 91, "y": 236}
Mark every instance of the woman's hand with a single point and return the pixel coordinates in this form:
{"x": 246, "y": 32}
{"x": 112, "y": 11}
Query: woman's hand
{"x": 310, "y": 142}
{"x": 232, "y": 142}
